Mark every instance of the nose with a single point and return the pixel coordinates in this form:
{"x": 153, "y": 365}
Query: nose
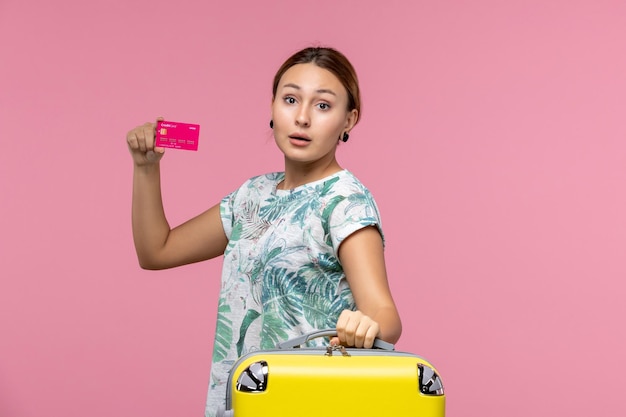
{"x": 302, "y": 117}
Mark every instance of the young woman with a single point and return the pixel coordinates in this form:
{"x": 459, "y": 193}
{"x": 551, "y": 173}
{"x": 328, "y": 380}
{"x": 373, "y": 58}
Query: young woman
{"x": 303, "y": 248}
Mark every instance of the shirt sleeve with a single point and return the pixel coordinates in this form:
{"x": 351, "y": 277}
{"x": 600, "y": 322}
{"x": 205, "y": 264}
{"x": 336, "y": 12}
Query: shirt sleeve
{"x": 226, "y": 213}
{"x": 355, "y": 212}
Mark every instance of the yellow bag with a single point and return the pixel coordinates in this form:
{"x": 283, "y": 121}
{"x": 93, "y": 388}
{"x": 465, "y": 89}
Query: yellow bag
{"x": 297, "y": 381}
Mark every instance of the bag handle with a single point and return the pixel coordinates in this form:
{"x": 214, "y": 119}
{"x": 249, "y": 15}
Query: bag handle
{"x": 296, "y": 342}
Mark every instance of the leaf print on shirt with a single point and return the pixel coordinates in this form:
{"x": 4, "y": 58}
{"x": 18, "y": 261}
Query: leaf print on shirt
{"x": 326, "y": 186}
{"x": 359, "y": 201}
{"x": 223, "y": 331}
{"x": 275, "y": 206}
{"x": 322, "y": 275}
{"x": 274, "y": 254}
{"x": 305, "y": 211}
{"x": 319, "y": 305}
{"x": 326, "y": 217}
{"x": 251, "y": 315}
{"x": 252, "y": 224}
{"x": 321, "y": 312}
{"x": 281, "y": 295}
{"x": 273, "y": 330}
{"x": 312, "y": 207}
{"x": 248, "y": 225}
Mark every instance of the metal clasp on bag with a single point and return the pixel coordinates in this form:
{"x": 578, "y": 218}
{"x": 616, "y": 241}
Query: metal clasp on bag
{"x": 340, "y": 348}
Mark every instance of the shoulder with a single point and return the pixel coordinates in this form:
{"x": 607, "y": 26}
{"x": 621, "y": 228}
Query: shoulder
{"x": 347, "y": 184}
{"x": 354, "y": 181}
{"x": 350, "y": 208}
{"x": 347, "y": 193}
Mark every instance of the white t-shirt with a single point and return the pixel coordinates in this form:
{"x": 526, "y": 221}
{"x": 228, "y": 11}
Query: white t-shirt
{"x": 281, "y": 276}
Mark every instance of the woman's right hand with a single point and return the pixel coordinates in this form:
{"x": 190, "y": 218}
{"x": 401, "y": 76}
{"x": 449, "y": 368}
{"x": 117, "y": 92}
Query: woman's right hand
{"x": 141, "y": 144}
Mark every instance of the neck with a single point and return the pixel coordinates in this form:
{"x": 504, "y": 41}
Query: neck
{"x": 300, "y": 174}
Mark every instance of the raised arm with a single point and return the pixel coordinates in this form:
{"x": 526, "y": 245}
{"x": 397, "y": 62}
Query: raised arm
{"x": 362, "y": 258}
{"x": 157, "y": 245}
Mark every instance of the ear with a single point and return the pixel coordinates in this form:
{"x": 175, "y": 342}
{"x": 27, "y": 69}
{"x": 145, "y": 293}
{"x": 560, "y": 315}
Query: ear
{"x": 351, "y": 118}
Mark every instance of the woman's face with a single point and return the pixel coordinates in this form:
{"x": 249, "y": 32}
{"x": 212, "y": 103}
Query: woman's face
{"x": 310, "y": 113}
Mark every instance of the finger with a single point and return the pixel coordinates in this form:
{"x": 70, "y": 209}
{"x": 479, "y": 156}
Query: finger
{"x": 367, "y": 332}
{"x": 148, "y": 133}
{"x": 351, "y": 327}
{"x": 131, "y": 139}
{"x": 152, "y": 156}
{"x": 360, "y": 333}
{"x": 334, "y": 341}
{"x": 158, "y": 150}
{"x": 370, "y": 335}
{"x": 141, "y": 139}
{"x": 341, "y": 325}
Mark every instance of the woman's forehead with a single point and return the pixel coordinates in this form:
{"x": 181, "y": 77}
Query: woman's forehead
{"x": 311, "y": 77}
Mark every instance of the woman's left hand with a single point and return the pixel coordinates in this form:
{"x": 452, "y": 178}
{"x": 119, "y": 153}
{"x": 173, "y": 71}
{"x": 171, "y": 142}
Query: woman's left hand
{"x": 355, "y": 329}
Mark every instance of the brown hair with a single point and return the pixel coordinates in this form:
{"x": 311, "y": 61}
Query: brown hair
{"x": 331, "y": 60}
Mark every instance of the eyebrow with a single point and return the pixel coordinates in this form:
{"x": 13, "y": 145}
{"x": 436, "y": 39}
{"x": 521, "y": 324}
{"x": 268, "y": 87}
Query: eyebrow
{"x": 321, "y": 90}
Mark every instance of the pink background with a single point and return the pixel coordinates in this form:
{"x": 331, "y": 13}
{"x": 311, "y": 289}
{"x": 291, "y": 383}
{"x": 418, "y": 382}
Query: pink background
{"x": 493, "y": 137}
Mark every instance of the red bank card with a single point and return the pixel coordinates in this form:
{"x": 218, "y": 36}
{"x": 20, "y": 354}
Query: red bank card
{"x": 177, "y": 135}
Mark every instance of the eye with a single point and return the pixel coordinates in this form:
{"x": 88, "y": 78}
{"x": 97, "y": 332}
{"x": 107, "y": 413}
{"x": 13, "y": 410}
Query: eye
{"x": 290, "y": 100}
{"x": 323, "y": 106}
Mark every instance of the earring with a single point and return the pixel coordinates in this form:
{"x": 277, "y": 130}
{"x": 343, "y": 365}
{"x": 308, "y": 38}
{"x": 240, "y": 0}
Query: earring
{"x": 271, "y": 124}
{"x": 345, "y": 137}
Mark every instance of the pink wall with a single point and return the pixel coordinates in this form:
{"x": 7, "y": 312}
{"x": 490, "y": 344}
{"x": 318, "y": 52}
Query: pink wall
{"x": 493, "y": 137}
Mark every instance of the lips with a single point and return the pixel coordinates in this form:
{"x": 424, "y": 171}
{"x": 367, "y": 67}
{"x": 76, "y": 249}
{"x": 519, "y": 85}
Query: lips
{"x": 299, "y": 136}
